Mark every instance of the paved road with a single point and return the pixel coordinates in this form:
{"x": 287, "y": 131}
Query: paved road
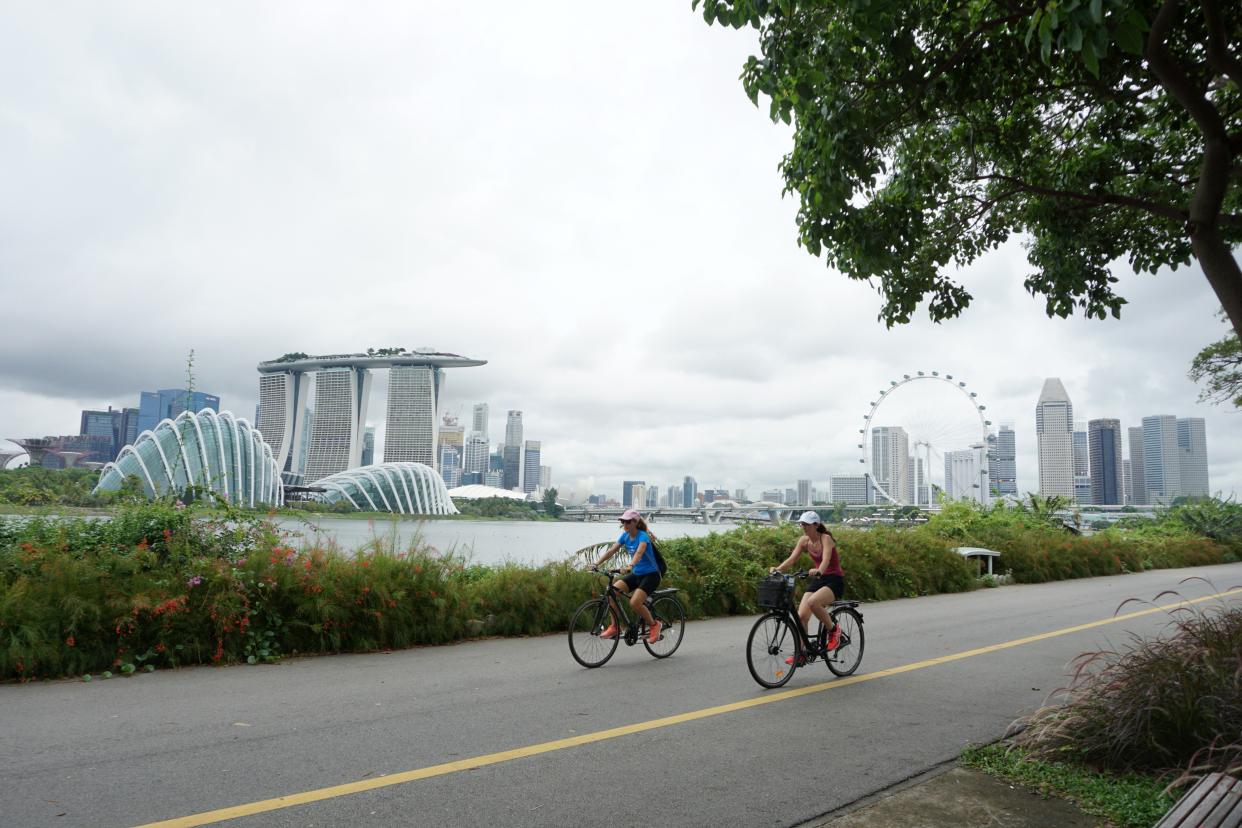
{"x": 178, "y": 743}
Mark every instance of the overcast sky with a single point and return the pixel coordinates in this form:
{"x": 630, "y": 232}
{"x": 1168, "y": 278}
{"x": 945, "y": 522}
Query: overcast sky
{"x": 580, "y": 194}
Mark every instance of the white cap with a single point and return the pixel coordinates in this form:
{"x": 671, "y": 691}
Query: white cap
{"x": 809, "y": 517}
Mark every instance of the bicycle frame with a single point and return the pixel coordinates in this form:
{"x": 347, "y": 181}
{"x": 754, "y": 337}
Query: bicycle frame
{"x": 810, "y": 648}
{"x": 635, "y": 626}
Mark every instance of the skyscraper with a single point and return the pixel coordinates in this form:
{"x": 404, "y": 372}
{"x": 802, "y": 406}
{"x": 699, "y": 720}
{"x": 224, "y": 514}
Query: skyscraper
{"x": 890, "y": 460}
{"x": 674, "y": 497}
{"x": 1192, "y": 456}
{"x": 513, "y": 451}
{"x": 1138, "y": 483}
{"x": 450, "y": 465}
{"x": 475, "y": 453}
{"x": 1054, "y": 418}
{"x": 689, "y": 492}
{"x": 1107, "y": 471}
{"x": 804, "y": 493}
{"x": 965, "y": 474}
{"x": 627, "y": 493}
{"x": 479, "y": 420}
{"x": 530, "y": 467}
{"x": 165, "y": 404}
{"x": 368, "y": 446}
{"x": 119, "y": 425}
{"x": 1161, "y": 466}
{"x": 1004, "y": 471}
{"x": 1082, "y": 465}
{"x": 283, "y": 409}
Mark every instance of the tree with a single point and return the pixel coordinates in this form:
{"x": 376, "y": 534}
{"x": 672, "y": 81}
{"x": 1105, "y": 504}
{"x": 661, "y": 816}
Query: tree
{"x": 926, "y": 134}
{"x": 1220, "y": 365}
{"x": 550, "y": 506}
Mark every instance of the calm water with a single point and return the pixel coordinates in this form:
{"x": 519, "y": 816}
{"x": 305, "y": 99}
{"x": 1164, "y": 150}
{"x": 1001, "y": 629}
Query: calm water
{"x": 483, "y": 541}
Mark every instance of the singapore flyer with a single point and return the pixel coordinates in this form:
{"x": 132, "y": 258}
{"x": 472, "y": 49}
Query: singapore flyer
{"x": 924, "y": 432}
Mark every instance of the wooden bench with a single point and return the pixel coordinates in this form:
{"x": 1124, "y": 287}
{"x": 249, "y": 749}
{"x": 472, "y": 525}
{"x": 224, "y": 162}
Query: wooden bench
{"x": 1214, "y": 802}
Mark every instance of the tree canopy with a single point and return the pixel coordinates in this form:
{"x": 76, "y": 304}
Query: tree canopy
{"x": 927, "y": 133}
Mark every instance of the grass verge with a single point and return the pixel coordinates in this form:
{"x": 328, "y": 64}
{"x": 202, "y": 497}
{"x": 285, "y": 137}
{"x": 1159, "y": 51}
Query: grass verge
{"x": 1128, "y": 799}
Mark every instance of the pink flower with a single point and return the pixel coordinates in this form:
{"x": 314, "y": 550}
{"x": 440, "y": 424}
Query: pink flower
{"x": 195, "y": 581}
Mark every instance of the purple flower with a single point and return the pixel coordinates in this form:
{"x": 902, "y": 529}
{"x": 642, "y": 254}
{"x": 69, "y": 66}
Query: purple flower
{"x": 195, "y": 581}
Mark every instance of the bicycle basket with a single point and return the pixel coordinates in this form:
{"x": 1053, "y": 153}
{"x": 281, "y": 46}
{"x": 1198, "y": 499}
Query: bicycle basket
{"x": 775, "y": 592}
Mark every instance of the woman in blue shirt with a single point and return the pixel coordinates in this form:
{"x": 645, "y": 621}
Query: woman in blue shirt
{"x": 644, "y": 574}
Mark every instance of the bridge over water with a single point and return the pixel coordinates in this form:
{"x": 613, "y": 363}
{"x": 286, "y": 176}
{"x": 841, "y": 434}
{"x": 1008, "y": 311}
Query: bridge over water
{"x": 722, "y": 513}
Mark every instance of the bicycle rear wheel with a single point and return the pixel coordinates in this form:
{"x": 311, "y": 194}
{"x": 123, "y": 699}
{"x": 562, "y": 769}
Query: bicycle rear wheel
{"x": 773, "y": 650}
{"x": 848, "y": 655}
{"x": 668, "y": 611}
{"x": 587, "y": 622}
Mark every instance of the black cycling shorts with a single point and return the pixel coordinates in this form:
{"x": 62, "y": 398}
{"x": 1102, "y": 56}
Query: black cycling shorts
{"x": 647, "y": 583}
{"x": 834, "y": 582}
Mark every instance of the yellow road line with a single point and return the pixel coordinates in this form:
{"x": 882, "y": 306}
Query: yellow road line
{"x": 262, "y": 806}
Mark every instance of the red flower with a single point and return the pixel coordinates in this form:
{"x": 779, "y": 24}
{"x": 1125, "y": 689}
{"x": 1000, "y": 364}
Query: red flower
{"x": 70, "y": 641}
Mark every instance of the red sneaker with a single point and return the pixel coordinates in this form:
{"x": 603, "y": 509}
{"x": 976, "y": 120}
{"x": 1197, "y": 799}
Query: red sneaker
{"x": 654, "y": 635}
{"x": 834, "y": 638}
{"x": 611, "y": 632}
{"x": 801, "y": 660}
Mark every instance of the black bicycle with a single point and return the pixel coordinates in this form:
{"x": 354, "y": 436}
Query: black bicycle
{"x": 593, "y": 617}
{"x": 777, "y": 646}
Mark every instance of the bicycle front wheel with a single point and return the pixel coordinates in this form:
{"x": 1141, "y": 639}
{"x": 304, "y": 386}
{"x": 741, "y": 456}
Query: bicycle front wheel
{"x": 587, "y": 622}
{"x": 845, "y": 659}
{"x": 669, "y": 612}
{"x": 773, "y": 650}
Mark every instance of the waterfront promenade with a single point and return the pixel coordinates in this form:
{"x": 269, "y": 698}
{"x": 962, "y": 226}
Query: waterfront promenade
{"x": 513, "y": 732}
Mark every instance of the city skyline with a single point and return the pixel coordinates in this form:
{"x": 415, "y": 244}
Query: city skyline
{"x": 348, "y": 213}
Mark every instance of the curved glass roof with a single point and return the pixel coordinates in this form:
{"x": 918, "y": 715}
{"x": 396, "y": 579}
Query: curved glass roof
{"x": 214, "y": 451}
{"x": 404, "y": 488}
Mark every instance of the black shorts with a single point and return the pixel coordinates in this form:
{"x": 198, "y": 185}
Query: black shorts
{"x": 647, "y": 583}
{"x": 834, "y": 582}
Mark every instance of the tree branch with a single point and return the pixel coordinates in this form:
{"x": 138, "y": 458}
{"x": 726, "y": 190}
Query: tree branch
{"x": 1098, "y": 199}
{"x": 1218, "y": 56}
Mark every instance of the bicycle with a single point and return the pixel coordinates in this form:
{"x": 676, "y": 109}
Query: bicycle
{"x": 595, "y": 615}
{"x": 778, "y": 646}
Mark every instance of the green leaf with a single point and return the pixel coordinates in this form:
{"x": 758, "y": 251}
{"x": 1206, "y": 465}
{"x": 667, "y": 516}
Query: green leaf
{"x": 1075, "y": 37}
{"x": 1090, "y": 60}
{"x": 1097, "y": 11}
{"x": 1130, "y": 39}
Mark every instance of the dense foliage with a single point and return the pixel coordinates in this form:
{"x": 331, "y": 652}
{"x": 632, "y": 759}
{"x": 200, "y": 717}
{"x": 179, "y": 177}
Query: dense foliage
{"x": 164, "y": 585}
{"x": 926, "y": 134}
{"x": 37, "y": 486}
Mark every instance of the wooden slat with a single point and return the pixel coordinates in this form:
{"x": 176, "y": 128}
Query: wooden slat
{"x": 1213, "y": 802}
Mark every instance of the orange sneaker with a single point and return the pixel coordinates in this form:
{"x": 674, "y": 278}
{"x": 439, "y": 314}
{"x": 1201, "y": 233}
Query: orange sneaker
{"x": 654, "y": 635}
{"x": 611, "y": 632}
{"x": 801, "y": 661}
{"x": 834, "y": 638}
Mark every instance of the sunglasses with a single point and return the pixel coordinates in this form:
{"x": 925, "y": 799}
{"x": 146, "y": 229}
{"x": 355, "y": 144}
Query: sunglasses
{"x": 631, "y": 520}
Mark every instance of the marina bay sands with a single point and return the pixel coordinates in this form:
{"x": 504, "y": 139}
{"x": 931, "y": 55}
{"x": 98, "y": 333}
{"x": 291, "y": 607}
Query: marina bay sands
{"x": 342, "y": 388}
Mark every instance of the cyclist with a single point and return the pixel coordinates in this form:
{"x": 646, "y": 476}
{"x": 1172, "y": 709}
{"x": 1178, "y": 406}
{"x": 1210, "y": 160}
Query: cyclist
{"x": 644, "y": 574}
{"x": 827, "y": 579}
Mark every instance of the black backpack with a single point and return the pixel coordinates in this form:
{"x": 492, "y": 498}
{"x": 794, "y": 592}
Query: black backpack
{"x": 659, "y": 559}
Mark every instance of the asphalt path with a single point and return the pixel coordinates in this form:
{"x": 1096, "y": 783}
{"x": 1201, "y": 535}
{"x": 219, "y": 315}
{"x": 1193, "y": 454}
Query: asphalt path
{"x": 514, "y": 732}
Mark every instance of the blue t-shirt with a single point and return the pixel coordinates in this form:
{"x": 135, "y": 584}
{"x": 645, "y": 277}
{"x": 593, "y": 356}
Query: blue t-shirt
{"x": 648, "y": 564}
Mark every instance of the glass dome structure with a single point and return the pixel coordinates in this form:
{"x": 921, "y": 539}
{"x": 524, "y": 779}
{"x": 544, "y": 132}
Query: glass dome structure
{"x": 404, "y": 488}
{"x": 213, "y": 451}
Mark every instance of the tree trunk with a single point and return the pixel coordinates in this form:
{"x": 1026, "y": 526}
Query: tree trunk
{"x": 1222, "y": 271}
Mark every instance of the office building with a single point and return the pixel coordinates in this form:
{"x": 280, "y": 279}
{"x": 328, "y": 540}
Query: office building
{"x": 1192, "y": 456}
{"x": 674, "y": 497}
{"x": 530, "y": 467}
{"x": 638, "y": 496}
{"x": 627, "y": 493}
{"x": 368, "y": 446}
{"x": 804, "y": 493}
{"x": 1107, "y": 471}
{"x": 1138, "y": 483}
{"x": 1082, "y": 465}
{"x": 450, "y": 465}
{"x": 1003, "y": 466}
{"x": 851, "y": 489}
{"x": 156, "y": 406}
{"x": 653, "y": 497}
{"x": 474, "y": 453}
{"x": 689, "y": 492}
{"x": 1161, "y": 462}
{"x": 119, "y": 425}
{"x": 545, "y": 476}
{"x": 478, "y": 423}
{"x": 965, "y": 474}
{"x": 1054, "y": 438}
{"x": 412, "y": 428}
{"x": 513, "y": 451}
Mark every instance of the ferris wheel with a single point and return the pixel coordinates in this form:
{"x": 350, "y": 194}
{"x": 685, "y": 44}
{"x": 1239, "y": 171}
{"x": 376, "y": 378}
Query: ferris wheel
{"x": 936, "y": 414}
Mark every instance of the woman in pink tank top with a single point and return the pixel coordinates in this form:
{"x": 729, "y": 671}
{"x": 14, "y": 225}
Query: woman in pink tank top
{"x": 827, "y": 579}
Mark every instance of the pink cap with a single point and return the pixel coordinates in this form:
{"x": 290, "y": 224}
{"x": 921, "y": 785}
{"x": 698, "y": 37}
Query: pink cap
{"x": 630, "y": 514}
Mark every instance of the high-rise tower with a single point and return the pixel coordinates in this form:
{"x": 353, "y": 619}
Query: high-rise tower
{"x": 890, "y": 460}
{"x": 1054, "y": 423}
{"x": 1192, "y": 456}
{"x": 513, "y": 450}
{"x": 1138, "y": 481}
{"x": 1107, "y": 477}
{"x": 1162, "y": 470}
